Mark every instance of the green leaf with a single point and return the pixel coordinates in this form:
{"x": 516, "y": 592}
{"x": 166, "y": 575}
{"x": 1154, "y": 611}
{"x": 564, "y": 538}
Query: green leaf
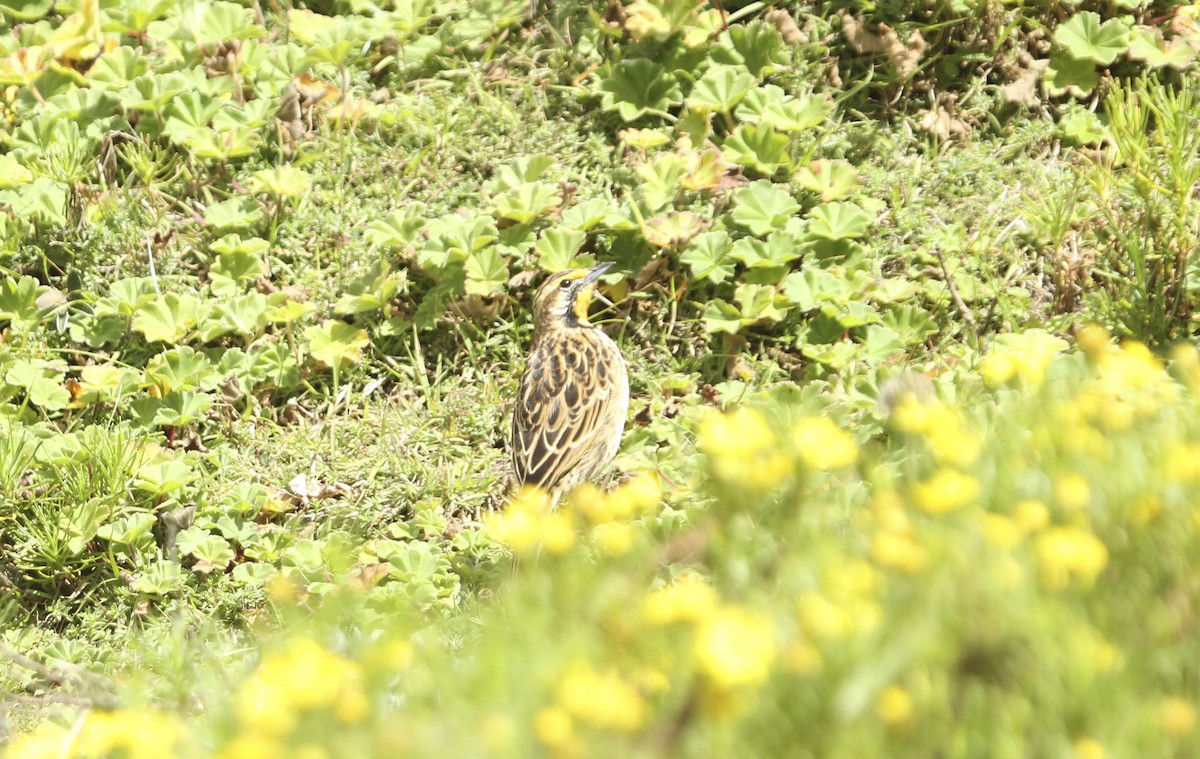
{"x": 19, "y": 299}
{"x": 839, "y": 221}
{"x": 283, "y": 181}
{"x": 756, "y": 46}
{"x": 43, "y": 199}
{"x": 235, "y": 213}
{"x": 720, "y": 316}
{"x": 519, "y": 171}
{"x": 336, "y": 343}
{"x": 212, "y": 553}
{"x": 1066, "y": 73}
{"x": 832, "y": 180}
{"x": 720, "y": 89}
{"x": 375, "y": 288}
{"x": 763, "y": 208}
{"x": 49, "y": 394}
{"x": 1146, "y": 44}
{"x": 708, "y": 256}
{"x": 757, "y": 147}
{"x": 159, "y": 578}
{"x": 1086, "y": 39}
{"x": 586, "y": 215}
{"x": 207, "y": 23}
{"x": 163, "y": 478}
{"x": 527, "y": 202}
{"x": 181, "y": 368}
{"x": 557, "y": 249}
{"x": 168, "y": 319}
{"x": 398, "y": 228}
{"x": 638, "y": 86}
{"x": 180, "y": 409}
{"x": 486, "y": 271}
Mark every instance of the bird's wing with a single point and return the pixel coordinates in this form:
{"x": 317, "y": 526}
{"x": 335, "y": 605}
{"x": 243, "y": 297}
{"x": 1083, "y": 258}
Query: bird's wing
{"x": 560, "y": 409}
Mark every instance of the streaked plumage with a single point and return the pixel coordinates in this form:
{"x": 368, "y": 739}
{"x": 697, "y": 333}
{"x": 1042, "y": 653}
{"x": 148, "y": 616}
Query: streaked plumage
{"x": 574, "y": 393}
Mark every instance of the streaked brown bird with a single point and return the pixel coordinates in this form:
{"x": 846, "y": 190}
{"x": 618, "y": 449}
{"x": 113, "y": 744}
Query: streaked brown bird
{"x": 574, "y": 393}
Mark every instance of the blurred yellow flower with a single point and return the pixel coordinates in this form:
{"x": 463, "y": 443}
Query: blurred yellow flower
{"x": 1181, "y": 462}
{"x": 735, "y": 647}
{"x": 688, "y": 599}
{"x": 899, "y": 551}
{"x": 1031, "y": 515}
{"x": 300, "y": 676}
{"x": 253, "y": 745}
{"x": 602, "y": 700}
{"x": 1001, "y": 530}
{"x": 822, "y": 617}
{"x": 822, "y": 445}
{"x": 132, "y": 733}
{"x": 1067, "y": 553}
{"x": 1023, "y": 355}
{"x": 47, "y": 741}
{"x": 528, "y": 524}
{"x": 947, "y": 490}
{"x": 553, "y": 727}
{"x": 944, "y": 429}
{"x": 1072, "y": 491}
{"x": 894, "y": 706}
{"x": 743, "y": 449}
{"x": 803, "y": 658}
{"x": 1177, "y": 716}
{"x": 1088, "y": 748}
{"x": 628, "y": 500}
{"x": 614, "y": 538}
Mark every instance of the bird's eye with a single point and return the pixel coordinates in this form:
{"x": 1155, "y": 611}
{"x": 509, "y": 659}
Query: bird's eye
{"x": 564, "y": 285}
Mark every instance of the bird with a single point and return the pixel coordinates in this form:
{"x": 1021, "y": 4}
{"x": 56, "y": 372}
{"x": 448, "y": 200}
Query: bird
{"x": 574, "y": 391}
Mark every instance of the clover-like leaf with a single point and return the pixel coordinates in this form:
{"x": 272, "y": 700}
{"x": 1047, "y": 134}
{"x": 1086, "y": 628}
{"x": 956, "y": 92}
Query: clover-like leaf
{"x": 720, "y": 89}
{"x": 163, "y": 478}
{"x": 397, "y": 228}
{"x": 1146, "y": 43}
{"x": 178, "y": 409}
{"x": 235, "y": 213}
{"x": 1086, "y": 39}
{"x": 839, "y": 221}
{"x": 757, "y": 46}
{"x": 336, "y": 343}
{"x": 558, "y": 248}
{"x": 211, "y": 552}
{"x": 757, "y": 146}
{"x": 167, "y": 319}
{"x": 673, "y": 230}
{"x": 526, "y": 203}
{"x": 720, "y": 316}
{"x": 282, "y": 181}
{"x": 708, "y": 256}
{"x": 638, "y": 86}
{"x": 158, "y": 578}
{"x": 832, "y": 180}
{"x": 763, "y": 208}
{"x": 486, "y": 271}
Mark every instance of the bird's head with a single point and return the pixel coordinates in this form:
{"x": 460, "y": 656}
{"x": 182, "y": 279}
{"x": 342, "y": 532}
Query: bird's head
{"x": 564, "y": 297}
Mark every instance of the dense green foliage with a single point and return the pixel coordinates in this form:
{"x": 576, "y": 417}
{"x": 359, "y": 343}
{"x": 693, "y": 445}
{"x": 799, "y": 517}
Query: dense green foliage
{"x": 263, "y": 276}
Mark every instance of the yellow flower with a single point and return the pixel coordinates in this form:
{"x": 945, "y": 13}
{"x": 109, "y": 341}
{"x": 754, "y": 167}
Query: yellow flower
{"x": 1001, "y": 530}
{"x": 1181, "y": 462}
{"x": 743, "y": 449}
{"x": 821, "y": 617}
{"x": 252, "y": 745}
{"x": 899, "y": 551}
{"x": 1088, "y": 748}
{"x": 301, "y": 676}
{"x": 894, "y": 706}
{"x": 946, "y": 490}
{"x": 803, "y": 658}
{"x": 1066, "y": 553}
{"x": 1177, "y": 716}
{"x": 1072, "y": 491}
{"x": 627, "y": 501}
{"x": 603, "y": 700}
{"x": 735, "y": 647}
{"x": 688, "y": 599}
{"x": 822, "y": 445}
{"x": 528, "y": 524}
{"x": 1031, "y": 515}
{"x": 553, "y": 726}
{"x": 48, "y": 741}
{"x": 943, "y": 428}
{"x": 614, "y": 538}
{"x": 131, "y": 732}
{"x": 1024, "y": 355}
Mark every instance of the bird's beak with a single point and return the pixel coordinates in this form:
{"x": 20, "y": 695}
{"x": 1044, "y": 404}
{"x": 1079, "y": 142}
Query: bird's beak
{"x": 595, "y": 273}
